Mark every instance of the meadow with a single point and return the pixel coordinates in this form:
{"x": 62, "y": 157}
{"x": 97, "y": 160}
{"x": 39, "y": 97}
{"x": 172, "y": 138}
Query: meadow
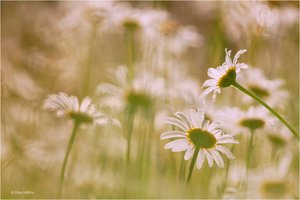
{"x": 150, "y": 99}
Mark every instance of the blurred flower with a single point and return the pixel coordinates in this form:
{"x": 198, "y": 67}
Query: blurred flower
{"x": 224, "y": 75}
{"x": 279, "y": 135}
{"x": 141, "y": 94}
{"x": 270, "y": 91}
{"x": 272, "y": 182}
{"x": 198, "y": 132}
{"x": 237, "y": 121}
{"x": 260, "y": 18}
{"x": 183, "y": 93}
{"x": 84, "y": 112}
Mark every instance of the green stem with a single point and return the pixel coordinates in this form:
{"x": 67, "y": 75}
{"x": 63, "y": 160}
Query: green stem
{"x": 90, "y": 61}
{"x": 192, "y": 165}
{"x": 249, "y": 150}
{"x": 129, "y": 134}
{"x": 63, "y": 169}
{"x": 241, "y": 88}
{"x": 130, "y": 51}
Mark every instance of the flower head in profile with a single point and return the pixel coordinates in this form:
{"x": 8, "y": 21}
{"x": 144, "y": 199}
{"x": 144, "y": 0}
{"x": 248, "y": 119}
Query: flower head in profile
{"x": 196, "y": 132}
{"x": 84, "y": 112}
{"x": 223, "y": 76}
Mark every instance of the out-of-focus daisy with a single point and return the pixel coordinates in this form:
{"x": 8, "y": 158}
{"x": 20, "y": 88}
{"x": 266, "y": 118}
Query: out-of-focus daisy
{"x": 138, "y": 95}
{"x": 237, "y": 121}
{"x": 271, "y": 91}
{"x": 181, "y": 94}
{"x": 84, "y": 112}
{"x": 167, "y": 37}
{"x": 278, "y": 135}
{"x": 198, "y": 134}
{"x": 124, "y": 16}
{"x": 223, "y": 76}
{"x": 272, "y": 182}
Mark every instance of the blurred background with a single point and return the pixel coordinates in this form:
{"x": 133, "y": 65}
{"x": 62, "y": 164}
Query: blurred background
{"x": 73, "y": 47}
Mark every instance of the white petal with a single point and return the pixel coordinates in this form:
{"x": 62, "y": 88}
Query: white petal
{"x": 227, "y": 58}
{"x": 213, "y": 126}
{"x": 178, "y": 123}
{"x": 205, "y": 124}
{"x": 209, "y": 158}
{"x": 237, "y": 55}
{"x": 209, "y": 90}
{"x": 177, "y": 143}
{"x": 193, "y": 118}
{"x": 189, "y": 153}
{"x": 213, "y": 73}
{"x": 225, "y": 151}
{"x": 210, "y": 82}
{"x": 216, "y": 156}
{"x": 200, "y": 158}
{"x": 172, "y": 134}
{"x": 183, "y": 118}
{"x": 84, "y": 104}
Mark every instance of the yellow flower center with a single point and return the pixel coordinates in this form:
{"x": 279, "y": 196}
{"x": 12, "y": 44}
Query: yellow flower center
{"x": 202, "y": 138}
{"x": 274, "y": 189}
{"x": 81, "y": 117}
{"x": 258, "y": 91}
{"x": 276, "y": 140}
{"x": 131, "y": 24}
{"x": 252, "y": 123}
{"x": 139, "y": 100}
{"x": 228, "y": 78}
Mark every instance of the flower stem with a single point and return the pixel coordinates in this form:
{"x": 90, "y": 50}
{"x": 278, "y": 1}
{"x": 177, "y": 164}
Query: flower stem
{"x": 63, "y": 169}
{"x": 129, "y": 134}
{"x": 241, "y": 88}
{"x": 130, "y": 51}
{"x": 192, "y": 165}
{"x": 250, "y": 149}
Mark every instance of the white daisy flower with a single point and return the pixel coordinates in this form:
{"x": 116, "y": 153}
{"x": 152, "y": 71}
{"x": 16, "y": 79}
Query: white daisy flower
{"x": 141, "y": 93}
{"x": 279, "y": 135}
{"x": 196, "y": 132}
{"x": 270, "y": 91}
{"x": 273, "y": 182}
{"x": 224, "y": 75}
{"x": 84, "y": 112}
{"x": 240, "y": 122}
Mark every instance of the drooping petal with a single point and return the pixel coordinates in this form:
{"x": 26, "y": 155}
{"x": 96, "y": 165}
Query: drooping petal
{"x": 225, "y": 151}
{"x": 216, "y": 156}
{"x": 189, "y": 153}
{"x": 200, "y": 159}
{"x": 208, "y": 157}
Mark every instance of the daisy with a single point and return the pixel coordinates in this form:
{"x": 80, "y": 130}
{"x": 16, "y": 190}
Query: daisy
{"x": 273, "y": 182}
{"x": 198, "y": 136}
{"x": 141, "y": 94}
{"x": 69, "y": 106}
{"x": 279, "y": 136}
{"x": 224, "y": 75}
{"x": 271, "y": 91}
{"x": 240, "y": 122}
